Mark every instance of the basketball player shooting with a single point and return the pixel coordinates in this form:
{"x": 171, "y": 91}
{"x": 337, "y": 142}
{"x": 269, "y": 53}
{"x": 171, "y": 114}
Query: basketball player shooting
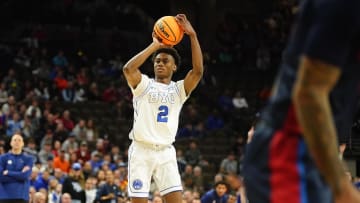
{"x": 157, "y": 104}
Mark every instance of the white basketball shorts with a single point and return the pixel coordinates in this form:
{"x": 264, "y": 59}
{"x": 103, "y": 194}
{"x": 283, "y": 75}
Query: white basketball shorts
{"x": 148, "y": 161}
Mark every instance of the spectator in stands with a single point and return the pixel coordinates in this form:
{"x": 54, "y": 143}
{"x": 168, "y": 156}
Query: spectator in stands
{"x": 42, "y": 181}
{"x": 217, "y": 194}
{"x": 108, "y": 192}
{"x": 237, "y": 188}
{"x": 60, "y": 82}
{"x": 96, "y": 161}
{"x": 14, "y": 124}
{"x": 68, "y": 93}
{"x": 42, "y": 71}
{"x": 12, "y": 84}
{"x": 80, "y": 93}
{"x": 42, "y": 91}
{"x": 187, "y": 196}
{"x": 34, "y": 107}
{"x": 39, "y": 197}
{"x": 54, "y": 192}
{"x": 48, "y": 138}
{"x": 187, "y": 177}
{"x": 31, "y": 150}
{"x": 92, "y": 133}
{"x": 66, "y": 198}
{"x": 32, "y": 192}
{"x": 60, "y": 60}
{"x": 214, "y": 121}
{"x": 11, "y": 102}
{"x": 83, "y": 153}
{"x": 101, "y": 177}
{"x": 74, "y": 184}
{"x": 93, "y": 94}
{"x": 111, "y": 94}
{"x": 198, "y": 180}
{"x": 45, "y": 153}
{"x": 49, "y": 165}
{"x": 225, "y": 101}
{"x": 67, "y": 121}
{"x": 82, "y": 77}
{"x": 73, "y": 157}
{"x": 59, "y": 175}
{"x": 87, "y": 170}
{"x": 80, "y": 130}
{"x": 115, "y": 153}
{"x": 70, "y": 143}
{"x": 56, "y": 148}
{"x": 107, "y": 163}
{"x": 21, "y": 108}
{"x": 192, "y": 154}
{"x": 62, "y": 134}
{"x": 48, "y": 121}
{"x": 239, "y": 101}
{"x": 28, "y": 129}
{"x": 181, "y": 161}
{"x": 229, "y": 165}
{"x": 33, "y": 176}
{"x": 99, "y": 147}
{"x": 60, "y": 162}
{"x": 90, "y": 190}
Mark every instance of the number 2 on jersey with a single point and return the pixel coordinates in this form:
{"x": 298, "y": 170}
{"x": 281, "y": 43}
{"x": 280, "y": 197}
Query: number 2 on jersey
{"x": 162, "y": 116}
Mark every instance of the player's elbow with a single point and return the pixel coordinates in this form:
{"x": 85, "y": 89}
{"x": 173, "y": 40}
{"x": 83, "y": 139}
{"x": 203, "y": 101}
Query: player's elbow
{"x": 198, "y": 71}
{"x": 126, "y": 69}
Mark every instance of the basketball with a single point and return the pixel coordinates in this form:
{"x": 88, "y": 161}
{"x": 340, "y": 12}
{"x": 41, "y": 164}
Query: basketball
{"x": 168, "y": 30}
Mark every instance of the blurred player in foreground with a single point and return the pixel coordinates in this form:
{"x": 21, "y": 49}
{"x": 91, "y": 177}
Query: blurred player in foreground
{"x": 293, "y": 156}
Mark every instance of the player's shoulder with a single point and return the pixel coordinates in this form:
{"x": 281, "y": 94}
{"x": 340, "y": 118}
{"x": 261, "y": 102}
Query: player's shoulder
{"x": 144, "y": 76}
{"x": 178, "y": 82}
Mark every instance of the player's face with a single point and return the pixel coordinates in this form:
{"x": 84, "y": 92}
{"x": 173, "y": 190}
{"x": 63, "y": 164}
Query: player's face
{"x": 164, "y": 65}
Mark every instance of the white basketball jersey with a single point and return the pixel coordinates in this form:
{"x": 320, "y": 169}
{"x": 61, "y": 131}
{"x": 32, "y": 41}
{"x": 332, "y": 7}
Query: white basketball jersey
{"x": 156, "y": 111}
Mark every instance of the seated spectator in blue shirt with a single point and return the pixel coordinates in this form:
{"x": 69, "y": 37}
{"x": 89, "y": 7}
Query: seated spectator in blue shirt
{"x": 42, "y": 181}
{"x": 217, "y": 194}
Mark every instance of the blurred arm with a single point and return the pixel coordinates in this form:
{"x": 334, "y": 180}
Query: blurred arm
{"x": 311, "y": 99}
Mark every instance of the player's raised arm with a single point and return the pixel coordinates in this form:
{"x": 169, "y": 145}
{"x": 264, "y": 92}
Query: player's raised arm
{"x": 194, "y": 76}
{"x": 131, "y": 68}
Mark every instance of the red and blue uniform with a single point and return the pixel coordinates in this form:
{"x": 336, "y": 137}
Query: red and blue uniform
{"x": 278, "y": 167}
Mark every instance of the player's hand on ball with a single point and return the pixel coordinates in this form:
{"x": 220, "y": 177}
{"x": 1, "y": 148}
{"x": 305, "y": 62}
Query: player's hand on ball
{"x": 185, "y": 24}
{"x": 157, "y": 41}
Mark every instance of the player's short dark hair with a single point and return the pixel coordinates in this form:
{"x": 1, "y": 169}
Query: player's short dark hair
{"x": 171, "y": 51}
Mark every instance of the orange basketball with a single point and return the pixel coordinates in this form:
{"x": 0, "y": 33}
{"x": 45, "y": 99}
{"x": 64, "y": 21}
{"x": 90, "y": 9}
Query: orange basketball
{"x": 168, "y": 30}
